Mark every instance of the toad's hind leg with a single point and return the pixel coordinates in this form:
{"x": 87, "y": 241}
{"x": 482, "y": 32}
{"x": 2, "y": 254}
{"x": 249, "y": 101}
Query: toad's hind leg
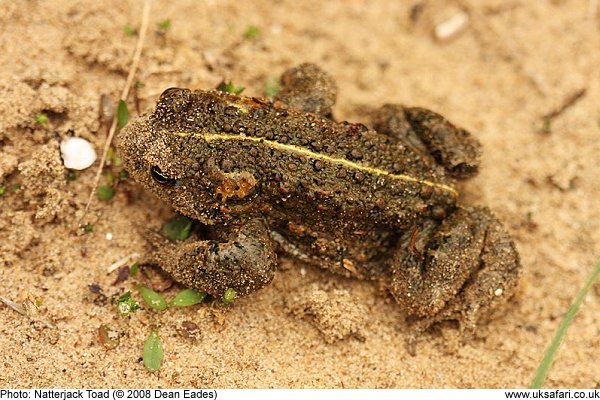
{"x": 308, "y": 88}
{"x": 460, "y": 270}
{"x": 432, "y": 136}
{"x": 240, "y": 258}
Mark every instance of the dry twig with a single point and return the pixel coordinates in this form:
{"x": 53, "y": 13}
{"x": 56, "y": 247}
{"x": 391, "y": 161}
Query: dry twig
{"x": 15, "y": 306}
{"x": 121, "y": 262}
{"x": 566, "y": 104}
{"x": 124, "y": 94}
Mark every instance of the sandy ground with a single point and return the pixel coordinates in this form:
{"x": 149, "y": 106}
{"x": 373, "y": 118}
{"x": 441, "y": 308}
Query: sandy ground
{"x": 515, "y": 62}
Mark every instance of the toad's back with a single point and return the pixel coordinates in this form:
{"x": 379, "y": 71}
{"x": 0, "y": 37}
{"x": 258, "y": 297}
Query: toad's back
{"x": 254, "y": 156}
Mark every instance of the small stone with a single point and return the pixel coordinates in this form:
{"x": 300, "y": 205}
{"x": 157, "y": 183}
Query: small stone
{"x": 452, "y": 27}
{"x": 498, "y": 292}
{"x": 77, "y": 153}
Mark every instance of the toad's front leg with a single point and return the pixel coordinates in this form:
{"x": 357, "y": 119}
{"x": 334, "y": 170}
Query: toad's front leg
{"x": 241, "y": 257}
{"x": 459, "y": 270}
{"x": 308, "y": 88}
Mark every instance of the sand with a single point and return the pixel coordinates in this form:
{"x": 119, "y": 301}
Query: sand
{"x": 513, "y": 63}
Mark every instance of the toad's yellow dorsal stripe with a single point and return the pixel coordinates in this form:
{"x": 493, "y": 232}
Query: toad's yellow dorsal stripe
{"x": 290, "y": 148}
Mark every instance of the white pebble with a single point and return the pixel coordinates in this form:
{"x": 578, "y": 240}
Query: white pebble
{"x": 109, "y": 236}
{"x": 452, "y": 27}
{"x": 77, "y": 153}
{"x": 498, "y": 292}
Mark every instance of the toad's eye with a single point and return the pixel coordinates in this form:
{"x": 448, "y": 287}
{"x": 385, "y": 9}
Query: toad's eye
{"x": 160, "y": 176}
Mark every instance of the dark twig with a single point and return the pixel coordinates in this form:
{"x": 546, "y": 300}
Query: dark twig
{"x": 569, "y": 102}
{"x": 566, "y": 104}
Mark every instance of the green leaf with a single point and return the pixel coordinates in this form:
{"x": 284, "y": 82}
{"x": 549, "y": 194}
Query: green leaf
{"x": 252, "y": 32}
{"x": 41, "y": 118}
{"x": 272, "y": 86}
{"x": 164, "y": 25}
{"x": 2, "y": 190}
{"x": 187, "y": 297}
{"x": 126, "y": 304}
{"x": 229, "y": 87}
{"x": 178, "y": 228}
{"x": 87, "y": 228}
{"x": 134, "y": 269}
{"x": 122, "y": 114}
{"x": 106, "y": 192}
{"x": 110, "y": 178}
{"x": 229, "y": 296}
{"x": 153, "y": 353}
{"x": 546, "y": 125}
{"x": 544, "y": 367}
{"x": 153, "y": 299}
{"x": 129, "y": 30}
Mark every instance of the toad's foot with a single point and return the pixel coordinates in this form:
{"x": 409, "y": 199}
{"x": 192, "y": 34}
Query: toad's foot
{"x": 432, "y": 136}
{"x": 240, "y": 258}
{"x": 461, "y": 270}
{"x": 308, "y": 88}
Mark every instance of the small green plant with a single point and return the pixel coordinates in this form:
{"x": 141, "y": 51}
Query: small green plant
{"x": 126, "y": 304}
{"x": 153, "y": 353}
{"x": 186, "y": 298}
{"x": 87, "y": 228}
{"x": 252, "y": 32}
{"x": 546, "y": 125}
{"x": 106, "y": 192}
{"x": 110, "y": 178}
{"x": 177, "y": 228}
{"x": 134, "y": 269}
{"x": 164, "y": 25}
{"x": 130, "y": 31}
{"x": 2, "y": 190}
{"x": 272, "y": 86}
{"x": 16, "y": 187}
{"x": 122, "y": 114}
{"x": 41, "y": 118}
{"x": 229, "y": 87}
{"x": 153, "y": 299}
{"x": 561, "y": 331}
{"x": 229, "y": 296}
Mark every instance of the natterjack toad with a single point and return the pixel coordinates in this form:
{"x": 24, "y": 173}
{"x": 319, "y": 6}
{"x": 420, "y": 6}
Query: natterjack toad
{"x": 378, "y": 203}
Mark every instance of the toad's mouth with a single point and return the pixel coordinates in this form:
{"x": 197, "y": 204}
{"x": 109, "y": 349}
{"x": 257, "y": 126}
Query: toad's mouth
{"x": 304, "y": 152}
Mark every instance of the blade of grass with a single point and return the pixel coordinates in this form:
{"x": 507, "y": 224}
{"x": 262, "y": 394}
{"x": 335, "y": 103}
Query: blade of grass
{"x": 544, "y": 367}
